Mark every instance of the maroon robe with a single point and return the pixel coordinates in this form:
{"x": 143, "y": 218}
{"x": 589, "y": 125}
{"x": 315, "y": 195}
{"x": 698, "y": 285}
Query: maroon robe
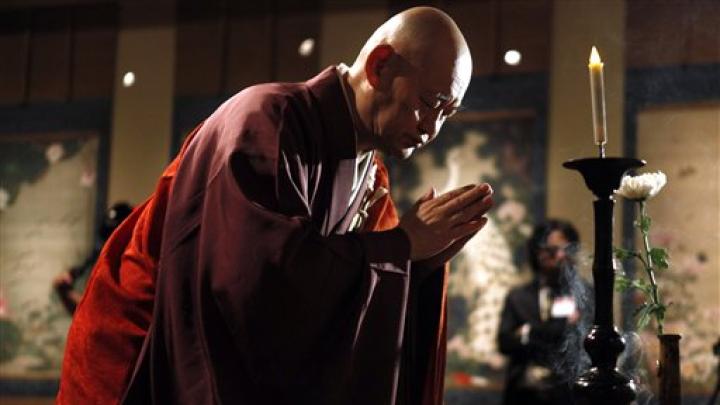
{"x": 262, "y": 296}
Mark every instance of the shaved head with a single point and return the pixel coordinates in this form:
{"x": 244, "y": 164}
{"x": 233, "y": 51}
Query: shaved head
{"x": 410, "y": 75}
{"x": 422, "y": 35}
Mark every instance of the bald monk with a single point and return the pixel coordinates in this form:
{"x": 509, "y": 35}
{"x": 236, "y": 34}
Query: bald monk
{"x": 282, "y": 274}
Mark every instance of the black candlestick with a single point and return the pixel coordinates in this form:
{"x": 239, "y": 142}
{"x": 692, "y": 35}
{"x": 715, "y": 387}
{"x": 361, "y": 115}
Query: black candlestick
{"x": 603, "y": 383}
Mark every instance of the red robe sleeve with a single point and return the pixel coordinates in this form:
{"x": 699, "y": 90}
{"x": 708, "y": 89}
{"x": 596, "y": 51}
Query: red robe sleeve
{"x": 113, "y": 317}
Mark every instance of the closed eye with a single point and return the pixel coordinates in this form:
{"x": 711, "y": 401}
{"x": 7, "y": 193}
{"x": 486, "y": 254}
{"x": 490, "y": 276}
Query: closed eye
{"x": 430, "y": 105}
{"x": 452, "y": 110}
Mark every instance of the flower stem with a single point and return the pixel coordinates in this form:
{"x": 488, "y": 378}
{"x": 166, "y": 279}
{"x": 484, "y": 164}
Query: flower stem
{"x": 645, "y": 230}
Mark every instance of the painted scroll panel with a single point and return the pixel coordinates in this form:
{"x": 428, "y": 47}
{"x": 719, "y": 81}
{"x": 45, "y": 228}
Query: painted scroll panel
{"x": 47, "y": 204}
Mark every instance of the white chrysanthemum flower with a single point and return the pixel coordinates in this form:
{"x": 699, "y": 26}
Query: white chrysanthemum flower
{"x": 643, "y": 186}
{"x": 54, "y": 152}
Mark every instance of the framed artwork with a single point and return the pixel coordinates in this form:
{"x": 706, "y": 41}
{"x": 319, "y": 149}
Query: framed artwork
{"x": 48, "y": 195}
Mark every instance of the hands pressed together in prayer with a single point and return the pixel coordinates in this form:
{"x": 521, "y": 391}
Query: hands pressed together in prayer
{"x": 439, "y": 226}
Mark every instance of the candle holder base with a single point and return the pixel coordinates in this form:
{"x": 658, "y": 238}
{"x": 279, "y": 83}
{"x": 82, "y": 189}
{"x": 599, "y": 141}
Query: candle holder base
{"x": 603, "y": 387}
{"x": 603, "y": 383}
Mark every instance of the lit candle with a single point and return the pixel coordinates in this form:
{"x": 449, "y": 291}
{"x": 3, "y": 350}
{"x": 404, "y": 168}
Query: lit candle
{"x": 597, "y": 93}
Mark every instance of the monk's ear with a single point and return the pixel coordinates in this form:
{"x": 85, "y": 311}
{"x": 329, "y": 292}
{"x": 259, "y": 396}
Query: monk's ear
{"x": 376, "y": 65}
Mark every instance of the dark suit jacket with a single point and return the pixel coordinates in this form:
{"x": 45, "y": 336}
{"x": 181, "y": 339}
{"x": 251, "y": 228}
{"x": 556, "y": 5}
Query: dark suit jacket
{"x": 522, "y": 307}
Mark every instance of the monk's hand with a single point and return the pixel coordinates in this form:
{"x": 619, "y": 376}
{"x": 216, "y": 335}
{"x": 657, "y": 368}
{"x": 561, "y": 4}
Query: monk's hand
{"x": 437, "y": 224}
{"x": 444, "y": 256}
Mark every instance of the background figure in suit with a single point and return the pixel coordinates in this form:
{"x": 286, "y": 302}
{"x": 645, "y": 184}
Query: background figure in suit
{"x": 537, "y": 323}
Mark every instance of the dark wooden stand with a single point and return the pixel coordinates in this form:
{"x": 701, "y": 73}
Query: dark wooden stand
{"x": 603, "y": 383}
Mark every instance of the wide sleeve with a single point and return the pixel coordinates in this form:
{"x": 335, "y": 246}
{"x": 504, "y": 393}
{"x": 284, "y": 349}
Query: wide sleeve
{"x": 285, "y": 291}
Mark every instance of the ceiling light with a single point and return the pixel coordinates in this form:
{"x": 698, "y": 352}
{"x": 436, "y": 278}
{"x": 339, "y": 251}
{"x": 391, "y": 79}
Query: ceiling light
{"x": 128, "y": 79}
{"x": 306, "y": 47}
{"x": 513, "y": 57}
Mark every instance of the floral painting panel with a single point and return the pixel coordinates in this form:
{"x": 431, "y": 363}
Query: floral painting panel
{"x": 47, "y": 205}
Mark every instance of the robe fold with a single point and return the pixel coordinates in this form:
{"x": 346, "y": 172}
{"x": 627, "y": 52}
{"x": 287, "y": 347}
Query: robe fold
{"x": 261, "y": 295}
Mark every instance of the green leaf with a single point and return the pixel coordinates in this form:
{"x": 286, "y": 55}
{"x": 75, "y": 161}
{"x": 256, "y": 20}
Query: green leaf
{"x": 659, "y": 257}
{"x": 622, "y": 283}
{"x": 623, "y": 254}
{"x": 642, "y": 285}
{"x": 645, "y": 223}
{"x": 644, "y": 316}
{"x": 640, "y": 308}
{"x": 659, "y": 311}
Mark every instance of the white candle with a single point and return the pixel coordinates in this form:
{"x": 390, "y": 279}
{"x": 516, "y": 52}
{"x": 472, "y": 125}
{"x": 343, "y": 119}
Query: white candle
{"x": 597, "y": 94}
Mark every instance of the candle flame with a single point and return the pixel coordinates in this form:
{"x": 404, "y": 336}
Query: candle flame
{"x": 595, "y": 57}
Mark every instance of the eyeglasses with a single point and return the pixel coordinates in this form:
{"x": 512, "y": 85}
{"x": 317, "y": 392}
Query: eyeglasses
{"x": 438, "y": 100}
{"x": 568, "y": 249}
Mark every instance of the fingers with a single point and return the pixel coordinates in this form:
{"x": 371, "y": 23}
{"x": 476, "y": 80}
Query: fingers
{"x": 448, "y": 253}
{"x": 474, "y": 211}
{"x": 450, "y": 195}
{"x": 435, "y": 223}
{"x": 427, "y": 196}
{"x": 468, "y": 228}
{"x": 461, "y": 241}
{"x": 470, "y": 196}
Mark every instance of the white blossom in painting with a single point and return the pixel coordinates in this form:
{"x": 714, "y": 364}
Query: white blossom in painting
{"x": 513, "y": 211}
{"x": 464, "y": 166}
{"x": 643, "y": 186}
{"x": 525, "y": 230}
{"x": 54, "y": 152}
